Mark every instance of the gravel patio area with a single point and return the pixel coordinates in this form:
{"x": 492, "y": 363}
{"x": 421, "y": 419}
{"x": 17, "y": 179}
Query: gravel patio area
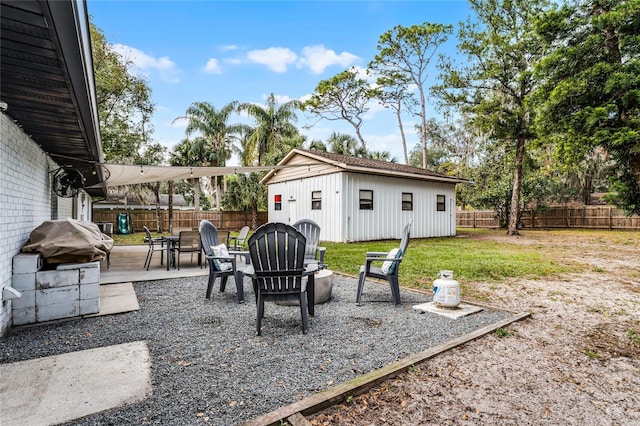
{"x": 208, "y": 365}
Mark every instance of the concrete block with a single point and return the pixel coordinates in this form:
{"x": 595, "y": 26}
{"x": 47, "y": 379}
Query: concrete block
{"x": 24, "y": 316}
{"x": 57, "y": 311}
{"x": 24, "y": 282}
{"x": 88, "y": 265}
{"x": 51, "y": 296}
{"x": 52, "y": 279}
{"x": 89, "y": 275}
{"x": 28, "y": 299}
{"x": 27, "y": 262}
{"x": 90, "y": 306}
{"x": 89, "y": 291}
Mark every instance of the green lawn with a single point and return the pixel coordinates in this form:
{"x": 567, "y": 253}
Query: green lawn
{"x": 470, "y": 255}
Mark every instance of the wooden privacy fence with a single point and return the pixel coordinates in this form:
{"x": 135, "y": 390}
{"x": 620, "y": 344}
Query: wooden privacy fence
{"x": 182, "y": 219}
{"x": 589, "y": 217}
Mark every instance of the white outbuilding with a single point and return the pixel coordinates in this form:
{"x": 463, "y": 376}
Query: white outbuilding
{"x": 359, "y": 199}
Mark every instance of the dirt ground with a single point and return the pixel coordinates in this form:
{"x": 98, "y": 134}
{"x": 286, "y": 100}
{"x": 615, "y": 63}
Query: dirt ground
{"x": 575, "y": 361}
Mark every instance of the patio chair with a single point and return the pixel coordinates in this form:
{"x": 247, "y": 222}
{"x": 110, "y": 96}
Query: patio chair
{"x": 220, "y": 265}
{"x": 312, "y": 252}
{"x": 188, "y": 242}
{"x": 389, "y": 268}
{"x": 277, "y": 269}
{"x": 153, "y": 247}
{"x": 240, "y": 241}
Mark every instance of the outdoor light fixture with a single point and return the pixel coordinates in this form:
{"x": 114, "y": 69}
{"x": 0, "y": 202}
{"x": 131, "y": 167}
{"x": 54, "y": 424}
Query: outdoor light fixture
{"x": 141, "y": 171}
{"x": 191, "y": 171}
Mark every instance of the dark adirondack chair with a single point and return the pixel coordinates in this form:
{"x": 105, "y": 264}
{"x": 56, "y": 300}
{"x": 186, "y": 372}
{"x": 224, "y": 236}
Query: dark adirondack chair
{"x": 277, "y": 269}
{"x": 311, "y": 231}
{"x": 209, "y": 239}
{"x": 389, "y": 268}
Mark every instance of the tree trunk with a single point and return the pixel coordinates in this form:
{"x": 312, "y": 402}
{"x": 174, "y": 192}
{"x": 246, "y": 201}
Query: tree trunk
{"x": 196, "y": 193}
{"x": 404, "y": 139}
{"x": 586, "y": 188}
{"x": 254, "y": 217}
{"x": 423, "y": 136}
{"x": 517, "y": 187}
{"x": 156, "y": 193}
{"x": 171, "y": 207}
{"x": 214, "y": 187}
{"x": 360, "y": 138}
{"x": 218, "y": 195}
{"x": 634, "y": 165}
{"x": 423, "y": 126}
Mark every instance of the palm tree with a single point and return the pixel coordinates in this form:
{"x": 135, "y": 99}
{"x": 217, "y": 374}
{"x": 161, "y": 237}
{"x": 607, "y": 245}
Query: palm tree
{"x": 279, "y": 151}
{"x": 273, "y": 124}
{"x": 191, "y": 153}
{"x": 341, "y": 143}
{"x": 212, "y": 125}
{"x": 382, "y": 156}
{"x": 317, "y": 145}
{"x": 246, "y": 192}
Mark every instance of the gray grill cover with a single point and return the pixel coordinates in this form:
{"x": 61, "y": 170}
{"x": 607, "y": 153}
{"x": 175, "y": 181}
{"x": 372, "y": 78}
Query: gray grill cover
{"x": 68, "y": 241}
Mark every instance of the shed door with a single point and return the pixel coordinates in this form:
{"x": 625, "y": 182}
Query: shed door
{"x": 292, "y": 212}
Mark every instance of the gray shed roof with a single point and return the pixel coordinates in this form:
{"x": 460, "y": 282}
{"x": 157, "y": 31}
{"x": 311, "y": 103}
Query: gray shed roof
{"x": 364, "y": 165}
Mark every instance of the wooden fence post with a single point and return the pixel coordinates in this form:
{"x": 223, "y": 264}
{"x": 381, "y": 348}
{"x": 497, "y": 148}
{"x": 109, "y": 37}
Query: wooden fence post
{"x": 610, "y": 218}
{"x": 533, "y": 218}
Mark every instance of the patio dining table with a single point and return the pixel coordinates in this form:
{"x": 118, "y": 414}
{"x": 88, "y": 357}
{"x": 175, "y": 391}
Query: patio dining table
{"x": 171, "y": 241}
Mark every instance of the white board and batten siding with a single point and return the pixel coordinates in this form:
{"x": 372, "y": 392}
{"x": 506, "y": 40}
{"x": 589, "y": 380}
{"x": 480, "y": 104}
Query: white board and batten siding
{"x": 339, "y": 180}
{"x": 341, "y": 219}
{"x": 296, "y": 203}
{"x": 387, "y": 219}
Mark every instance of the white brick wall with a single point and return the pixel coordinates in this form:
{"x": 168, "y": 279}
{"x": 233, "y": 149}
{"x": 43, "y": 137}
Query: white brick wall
{"x": 24, "y": 197}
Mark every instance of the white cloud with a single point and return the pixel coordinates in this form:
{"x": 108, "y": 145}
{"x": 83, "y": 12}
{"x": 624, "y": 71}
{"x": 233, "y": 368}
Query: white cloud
{"x": 232, "y": 61}
{"x": 305, "y": 97}
{"x": 213, "y": 67}
{"x": 318, "y": 58}
{"x": 389, "y": 142}
{"x": 229, "y": 47}
{"x": 276, "y": 58}
{"x": 280, "y": 99}
{"x": 144, "y": 62}
{"x": 363, "y": 74}
{"x": 374, "y": 108}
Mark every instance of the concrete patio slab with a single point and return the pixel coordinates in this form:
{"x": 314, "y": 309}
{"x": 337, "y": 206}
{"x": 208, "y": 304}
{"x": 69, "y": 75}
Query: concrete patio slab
{"x": 116, "y": 299}
{"x": 61, "y": 388}
{"x": 127, "y": 266}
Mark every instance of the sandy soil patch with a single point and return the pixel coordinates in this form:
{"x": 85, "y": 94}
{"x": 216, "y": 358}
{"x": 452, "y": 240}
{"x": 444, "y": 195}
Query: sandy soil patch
{"x": 575, "y": 361}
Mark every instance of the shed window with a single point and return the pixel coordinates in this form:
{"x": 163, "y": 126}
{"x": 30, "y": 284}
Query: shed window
{"x": 366, "y": 199}
{"x": 407, "y": 201}
{"x": 316, "y": 200}
{"x": 277, "y": 202}
{"x": 440, "y": 203}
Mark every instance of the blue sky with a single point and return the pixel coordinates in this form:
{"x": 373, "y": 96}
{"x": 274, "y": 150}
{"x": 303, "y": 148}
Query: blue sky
{"x": 221, "y": 51}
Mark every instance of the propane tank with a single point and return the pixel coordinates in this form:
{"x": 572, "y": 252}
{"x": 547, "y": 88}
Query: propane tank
{"x": 446, "y": 290}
